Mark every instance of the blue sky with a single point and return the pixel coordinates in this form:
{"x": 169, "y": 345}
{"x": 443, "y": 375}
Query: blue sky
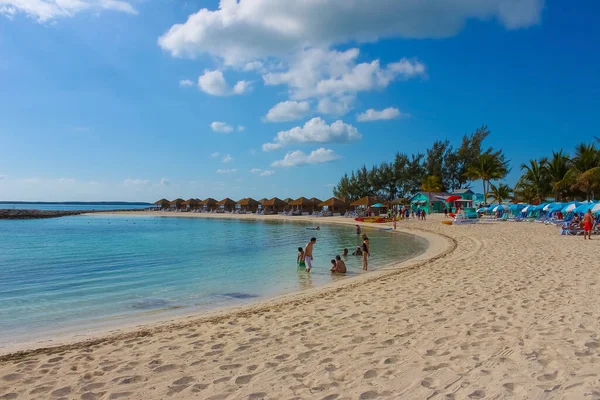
{"x": 140, "y": 99}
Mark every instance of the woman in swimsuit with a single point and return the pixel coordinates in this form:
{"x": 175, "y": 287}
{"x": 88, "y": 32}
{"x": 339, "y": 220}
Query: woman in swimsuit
{"x": 365, "y": 253}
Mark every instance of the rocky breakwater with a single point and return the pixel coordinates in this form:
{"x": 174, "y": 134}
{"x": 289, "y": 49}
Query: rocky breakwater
{"x": 33, "y": 214}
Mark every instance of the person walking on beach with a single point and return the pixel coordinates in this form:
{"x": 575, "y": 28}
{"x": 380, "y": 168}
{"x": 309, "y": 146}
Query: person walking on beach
{"x": 445, "y": 212}
{"x": 365, "y": 253}
{"x": 308, "y": 253}
{"x": 588, "y": 223}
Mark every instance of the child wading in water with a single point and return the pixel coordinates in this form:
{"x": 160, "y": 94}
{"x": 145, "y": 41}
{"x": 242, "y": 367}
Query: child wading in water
{"x": 300, "y": 259}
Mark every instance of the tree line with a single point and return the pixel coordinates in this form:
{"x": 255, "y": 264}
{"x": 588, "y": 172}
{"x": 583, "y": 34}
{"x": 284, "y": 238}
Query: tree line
{"x": 444, "y": 168}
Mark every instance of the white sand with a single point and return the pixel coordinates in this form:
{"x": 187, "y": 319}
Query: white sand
{"x": 506, "y": 310}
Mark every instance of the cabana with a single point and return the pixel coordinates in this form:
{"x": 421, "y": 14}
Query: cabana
{"x": 226, "y": 204}
{"x": 334, "y": 205}
{"x": 163, "y": 203}
{"x": 208, "y": 204}
{"x": 247, "y": 204}
{"x": 302, "y": 205}
{"x": 177, "y": 204}
{"x": 287, "y": 201}
{"x": 316, "y": 203}
{"x": 273, "y": 206}
{"x": 191, "y": 204}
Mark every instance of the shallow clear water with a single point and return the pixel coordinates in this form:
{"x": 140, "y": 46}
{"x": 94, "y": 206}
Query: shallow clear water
{"x": 74, "y": 272}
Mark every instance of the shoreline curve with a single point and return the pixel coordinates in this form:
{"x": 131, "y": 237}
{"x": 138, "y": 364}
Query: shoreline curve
{"x": 439, "y": 246}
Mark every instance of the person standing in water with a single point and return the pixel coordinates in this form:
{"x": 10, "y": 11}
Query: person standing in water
{"x": 357, "y": 230}
{"x": 300, "y": 259}
{"x": 365, "y": 253}
{"x": 394, "y": 222}
{"x": 308, "y": 253}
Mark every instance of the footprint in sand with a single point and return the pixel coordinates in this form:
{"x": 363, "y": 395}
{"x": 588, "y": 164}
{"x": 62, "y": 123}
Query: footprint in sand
{"x": 120, "y": 395}
{"x": 11, "y": 377}
{"x": 184, "y": 381}
{"x": 478, "y": 394}
{"x": 370, "y": 374}
{"x": 369, "y": 395}
{"x": 61, "y": 392}
{"x": 230, "y": 367}
{"x": 9, "y": 396}
{"x": 244, "y": 379}
{"x": 257, "y": 396}
{"x": 547, "y": 377}
{"x": 165, "y": 368}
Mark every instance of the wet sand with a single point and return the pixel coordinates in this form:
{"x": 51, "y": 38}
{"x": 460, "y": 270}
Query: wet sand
{"x": 505, "y": 310}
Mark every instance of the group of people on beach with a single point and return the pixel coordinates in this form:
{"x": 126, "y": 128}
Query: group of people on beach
{"x": 338, "y": 266}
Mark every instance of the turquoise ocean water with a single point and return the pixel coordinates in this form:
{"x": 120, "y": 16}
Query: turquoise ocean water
{"x": 66, "y": 274}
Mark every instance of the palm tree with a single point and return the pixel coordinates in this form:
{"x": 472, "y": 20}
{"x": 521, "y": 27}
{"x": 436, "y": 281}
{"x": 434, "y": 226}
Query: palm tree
{"x": 584, "y": 173}
{"x": 524, "y": 193}
{"x": 535, "y": 178}
{"x": 432, "y": 183}
{"x": 487, "y": 167}
{"x": 556, "y": 171}
{"x": 500, "y": 192}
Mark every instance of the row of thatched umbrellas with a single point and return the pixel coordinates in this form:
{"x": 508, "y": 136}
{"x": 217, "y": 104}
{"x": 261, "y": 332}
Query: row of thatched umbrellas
{"x": 274, "y": 205}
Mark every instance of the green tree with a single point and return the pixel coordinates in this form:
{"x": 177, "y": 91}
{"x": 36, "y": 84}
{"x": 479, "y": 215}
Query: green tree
{"x": 489, "y": 166}
{"x": 457, "y": 162}
{"x": 535, "y": 179}
{"x": 557, "y": 170}
{"x": 431, "y": 183}
{"x": 584, "y": 171}
{"x": 500, "y": 193}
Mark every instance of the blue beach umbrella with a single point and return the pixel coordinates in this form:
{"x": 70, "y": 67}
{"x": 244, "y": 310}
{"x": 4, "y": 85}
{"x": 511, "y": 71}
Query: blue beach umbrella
{"x": 377, "y": 205}
{"x": 556, "y": 207}
{"x": 569, "y": 207}
{"x": 482, "y": 210}
{"x": 540, "y": 207}
{"x": 516, "y": 207}
{"x": 582, "y": 208}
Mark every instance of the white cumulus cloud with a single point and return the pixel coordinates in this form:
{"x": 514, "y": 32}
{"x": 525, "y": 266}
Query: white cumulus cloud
{"x": 298, "y": 157}
{"x": 227, "y": 159}
{"x": 186, "y": 83}
{"x": 374, "y": 115}
{"x": 215, "y": 154}
{"x": 221, "y": 127}
{"x": 249, "y": 30}
{"x": 214, "y": 83}
{"x": 315, "y": 131}
{"x": 242, "y": 87}
{"x": 267, "y": 173}
{"x": 241, "y": 128}
{"x": 287, "y": 111}
{"x": 226, "y": 171}
{"x": 49, "y": 10}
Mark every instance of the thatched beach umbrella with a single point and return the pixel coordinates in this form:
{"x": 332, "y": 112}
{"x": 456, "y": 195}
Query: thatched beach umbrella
{"x": 302, "y": 204}
{"x": 177, "y": 203}
{"x": 208, "y": 204}
{"x": 191, "y": 203}
{"x": 365, "y": 201}
{"x": 163, "y": 203}
{"x": 274, "y": 205}
{"x": 248, "y": 204}
{"x": 316, "y": 202}
{"x": 227, "y": 204}
{"x": 334, "y": 205}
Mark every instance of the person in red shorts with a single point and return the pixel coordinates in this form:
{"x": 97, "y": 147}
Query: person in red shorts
{"x": 588, "y": 223}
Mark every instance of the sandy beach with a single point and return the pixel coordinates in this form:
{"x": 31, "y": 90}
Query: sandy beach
{"x": 499, "y": 310}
